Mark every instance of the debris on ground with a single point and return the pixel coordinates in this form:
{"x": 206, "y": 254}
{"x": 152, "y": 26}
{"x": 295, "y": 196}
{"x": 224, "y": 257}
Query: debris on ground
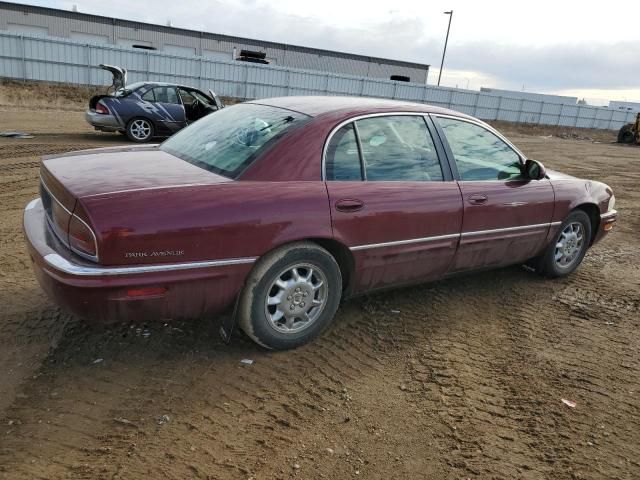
{"x": 163, "y": 419}
{"x": 246, "y": 361}
{"x": 124, "y": 421}
{"x": 15, "y": 135}
{"x": 573, "y": 136}
{"x": 98, "y": 360}
{"x": 395, "y": 311}
{"x": 569, "y": 403}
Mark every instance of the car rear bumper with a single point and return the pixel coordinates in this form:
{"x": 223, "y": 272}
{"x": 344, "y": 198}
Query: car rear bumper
{"x": 106, "y": 123}
{"x": 112, "y": 294}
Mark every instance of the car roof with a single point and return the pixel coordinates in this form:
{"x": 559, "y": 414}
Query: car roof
{"x": 315, "y": 106}
{"x": 166, "y": 84}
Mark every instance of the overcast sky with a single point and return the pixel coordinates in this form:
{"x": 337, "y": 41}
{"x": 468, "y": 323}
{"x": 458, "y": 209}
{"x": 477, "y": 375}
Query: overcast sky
{"x": 588, "y": 49}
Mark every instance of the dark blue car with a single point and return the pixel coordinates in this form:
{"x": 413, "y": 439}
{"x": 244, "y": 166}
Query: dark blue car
{"x": 147, "y": 109}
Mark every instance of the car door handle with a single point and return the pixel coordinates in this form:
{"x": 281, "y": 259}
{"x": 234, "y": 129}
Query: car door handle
{"x": 477, "y": 199}
{"x": 349, "y": 205}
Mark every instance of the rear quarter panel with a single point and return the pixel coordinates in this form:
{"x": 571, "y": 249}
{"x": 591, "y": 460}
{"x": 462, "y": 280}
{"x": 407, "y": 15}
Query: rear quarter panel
{"x": 231, "y": 220}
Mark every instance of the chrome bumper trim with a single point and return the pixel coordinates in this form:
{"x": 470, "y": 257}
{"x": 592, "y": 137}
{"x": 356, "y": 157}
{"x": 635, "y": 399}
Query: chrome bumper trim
{"x": 610, "y": 214}
{"x": 62, "y": 264}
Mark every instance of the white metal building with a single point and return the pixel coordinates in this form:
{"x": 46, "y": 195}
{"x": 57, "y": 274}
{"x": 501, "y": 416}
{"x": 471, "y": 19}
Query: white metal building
{"x": 49, "y": 22}
{"x": 625, "y": 106}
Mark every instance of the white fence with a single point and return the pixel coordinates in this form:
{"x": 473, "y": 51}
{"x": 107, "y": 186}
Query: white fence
{"x": 60, "y": 60}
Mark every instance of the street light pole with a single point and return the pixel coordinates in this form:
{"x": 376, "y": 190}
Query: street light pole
{"x": 446, "y": 40}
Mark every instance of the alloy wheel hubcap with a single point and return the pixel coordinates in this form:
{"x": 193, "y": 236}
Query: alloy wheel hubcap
{"x": 140, "y": 129}
{"x": 569, "y": 245}
{"x": 296, "y": 298}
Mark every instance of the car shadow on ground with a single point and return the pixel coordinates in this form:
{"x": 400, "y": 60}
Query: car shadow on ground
{"x": 83, "y": 341}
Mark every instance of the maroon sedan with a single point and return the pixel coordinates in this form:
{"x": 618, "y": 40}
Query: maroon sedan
{"x": 282, "y": 207}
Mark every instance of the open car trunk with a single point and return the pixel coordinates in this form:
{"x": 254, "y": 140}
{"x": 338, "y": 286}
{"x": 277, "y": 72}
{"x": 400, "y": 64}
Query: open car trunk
{"x": 119, "y": 75}
{"x": 118, "y": 81}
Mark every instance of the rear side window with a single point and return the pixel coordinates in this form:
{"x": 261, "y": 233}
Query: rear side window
{"x": 343, "y": 159}
{"x": 166, "y": 95}
{"x": 398, "y": 148}
{"x": 149, "y": 96}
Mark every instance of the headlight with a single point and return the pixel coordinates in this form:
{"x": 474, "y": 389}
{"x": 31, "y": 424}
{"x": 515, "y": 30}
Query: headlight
{"x": 612, "y": 203}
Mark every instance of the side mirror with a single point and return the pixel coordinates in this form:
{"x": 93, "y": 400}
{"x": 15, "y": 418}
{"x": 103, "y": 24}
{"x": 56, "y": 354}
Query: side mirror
{"x": 534, "y": 170}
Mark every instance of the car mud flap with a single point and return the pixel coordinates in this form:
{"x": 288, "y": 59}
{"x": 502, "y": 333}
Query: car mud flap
{"x": 229, "y": 323}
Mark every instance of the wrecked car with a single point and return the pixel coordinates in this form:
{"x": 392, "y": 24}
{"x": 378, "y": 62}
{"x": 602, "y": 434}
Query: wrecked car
{"x": 144, "y": 110}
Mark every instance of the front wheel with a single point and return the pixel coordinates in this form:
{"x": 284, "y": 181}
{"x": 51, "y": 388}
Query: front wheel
{"x": 291, "y": 295}
{"x": 626, "y": 134}
{"x": 139, "y": 130}
{"x": 566, "y": 251}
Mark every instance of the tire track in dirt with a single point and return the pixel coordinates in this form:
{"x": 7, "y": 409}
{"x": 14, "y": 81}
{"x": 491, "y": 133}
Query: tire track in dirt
{"x": 458, "y": 379}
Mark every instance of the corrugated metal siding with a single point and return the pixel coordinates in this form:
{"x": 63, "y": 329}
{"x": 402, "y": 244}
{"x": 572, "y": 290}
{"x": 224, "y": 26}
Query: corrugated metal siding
{"x": 541, "y": 97}
{"x": 37, "y": 58}
{"x": 61, "y": 23}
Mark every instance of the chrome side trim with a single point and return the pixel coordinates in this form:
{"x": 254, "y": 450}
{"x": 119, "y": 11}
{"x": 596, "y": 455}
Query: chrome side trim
{"x": 66, "y": 242}
{"x": 62, "y": 264}
{"x": 555, "y": 224}
{"x": 610, "y": 214}
{"x": 145, "y": 189}
{"x": 508, "y": 229}
{"x": 404, "y": 242}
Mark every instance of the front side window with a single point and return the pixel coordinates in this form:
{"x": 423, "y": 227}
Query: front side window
{"x": 398, "y": 148}
{"x": 229, "y": 141}
{"x": 479, "y": 154}
{"x": 343, "y": 160}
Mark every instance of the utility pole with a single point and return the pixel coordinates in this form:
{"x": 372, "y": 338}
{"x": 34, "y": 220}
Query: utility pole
{"x": 446, "y": 40}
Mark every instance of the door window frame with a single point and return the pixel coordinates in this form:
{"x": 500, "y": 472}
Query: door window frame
{"x": 445, "y": 164}
{"x": 451, "y": 157}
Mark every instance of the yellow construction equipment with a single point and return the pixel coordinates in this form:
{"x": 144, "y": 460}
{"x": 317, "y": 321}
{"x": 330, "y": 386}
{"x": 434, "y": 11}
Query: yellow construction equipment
{"x": 630, "y": 132}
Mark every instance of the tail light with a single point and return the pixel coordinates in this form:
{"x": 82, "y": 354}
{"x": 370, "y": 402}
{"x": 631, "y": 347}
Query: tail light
{"x": 101, "y": 108}
{"x": 81, "y": 238}
{"x": 59, "y": 218}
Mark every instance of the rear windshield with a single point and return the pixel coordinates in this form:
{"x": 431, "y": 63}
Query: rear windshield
{"x": 229, "y": 140}
{"x": 123, "y": 92}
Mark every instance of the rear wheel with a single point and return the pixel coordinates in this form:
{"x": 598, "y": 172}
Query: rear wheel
{"x": 291, "y": 295}
{"x": 565, "y": 253}
{"x": 626, "y": 135}
{"x": 140, "y": 130}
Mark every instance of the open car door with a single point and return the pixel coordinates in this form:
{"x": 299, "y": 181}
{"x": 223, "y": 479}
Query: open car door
{"x": 119, "y": 75}
{"x": 216, "y": 99}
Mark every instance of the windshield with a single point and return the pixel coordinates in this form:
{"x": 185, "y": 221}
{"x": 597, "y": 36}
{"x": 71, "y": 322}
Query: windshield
{"x": 229, "y": 140}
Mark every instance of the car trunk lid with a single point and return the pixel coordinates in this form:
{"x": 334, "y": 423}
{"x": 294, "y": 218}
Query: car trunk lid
{"x": 118, "y": 169}
{"x": 119, "y": 75}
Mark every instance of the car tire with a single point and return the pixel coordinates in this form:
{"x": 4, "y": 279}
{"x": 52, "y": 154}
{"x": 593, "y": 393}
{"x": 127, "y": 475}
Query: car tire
{"x": 290, "y": 296}
{"x": 140, "y": 130}
{"x": 626, "y": 135}
{"x": 565, "y": 253}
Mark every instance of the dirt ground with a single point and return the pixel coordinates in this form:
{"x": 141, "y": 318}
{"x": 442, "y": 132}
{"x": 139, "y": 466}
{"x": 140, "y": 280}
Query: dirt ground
{"x": 459, "y": 379}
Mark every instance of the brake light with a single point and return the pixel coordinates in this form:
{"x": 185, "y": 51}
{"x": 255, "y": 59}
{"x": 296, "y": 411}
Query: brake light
{"x": 81, "y": 238}
{"x": 101, "y": 108}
